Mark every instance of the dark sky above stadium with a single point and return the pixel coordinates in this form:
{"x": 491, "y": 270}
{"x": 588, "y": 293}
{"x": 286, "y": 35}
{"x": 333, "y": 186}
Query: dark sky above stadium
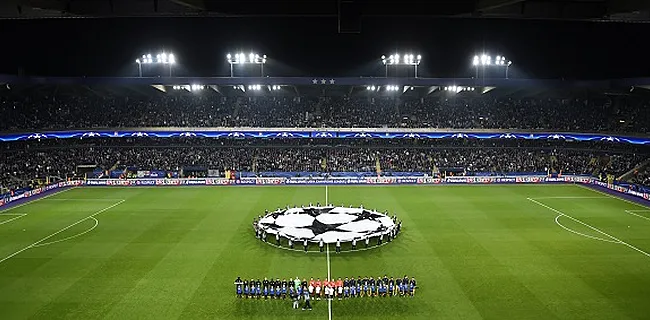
{"x": 313, "y": 47}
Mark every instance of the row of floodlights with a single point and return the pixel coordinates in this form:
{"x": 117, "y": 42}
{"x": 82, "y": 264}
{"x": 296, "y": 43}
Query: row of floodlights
{"x": 459, "y": 88}
{"x": 242, "y": 58}
{"x": 486, "y": 60}
{"x": 388, "y": 88}
{"x": 408, "y": 59}
{"x": 193, "y": 87}
{"x": 161, "y": 58}
{"x": 258, "y": 87}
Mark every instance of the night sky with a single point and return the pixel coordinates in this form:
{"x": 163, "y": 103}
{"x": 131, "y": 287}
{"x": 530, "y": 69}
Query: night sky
{"x": 313, "y": 47}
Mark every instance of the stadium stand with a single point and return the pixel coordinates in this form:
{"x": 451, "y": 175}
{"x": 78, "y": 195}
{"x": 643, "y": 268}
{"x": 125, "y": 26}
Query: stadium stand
{"x": 28, "y": 163}
{"x": 50, "y": 110}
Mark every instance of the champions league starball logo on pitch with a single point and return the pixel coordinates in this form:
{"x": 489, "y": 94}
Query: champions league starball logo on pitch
{"x": 328, "y": 224}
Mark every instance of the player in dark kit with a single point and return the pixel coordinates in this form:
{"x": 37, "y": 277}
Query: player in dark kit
{"x": 413, "y": 285}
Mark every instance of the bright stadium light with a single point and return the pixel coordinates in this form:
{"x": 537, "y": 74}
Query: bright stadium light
{"x": 250, "y": 58}
{"x": 163, "y": 58}
{"x": 392, "y": 88}
{"x": 485, "y": 60}
{"x": 255, "y": 87}
{"x": 396, "y": 59}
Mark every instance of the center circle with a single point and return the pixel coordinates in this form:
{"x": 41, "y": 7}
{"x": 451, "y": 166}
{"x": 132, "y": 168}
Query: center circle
{"x": 325, "y": 225}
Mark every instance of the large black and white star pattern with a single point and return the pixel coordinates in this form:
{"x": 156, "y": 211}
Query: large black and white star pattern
{"x": 328, "y": 224}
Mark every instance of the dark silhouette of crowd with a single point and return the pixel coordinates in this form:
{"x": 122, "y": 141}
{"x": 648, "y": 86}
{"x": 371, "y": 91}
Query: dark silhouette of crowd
{"x": 24, "y": 163}
{"x": 51, "y": 110}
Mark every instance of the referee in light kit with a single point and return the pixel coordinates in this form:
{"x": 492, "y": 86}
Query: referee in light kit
{"x": 338, "y": 246}
{"x": 321, "y": 245}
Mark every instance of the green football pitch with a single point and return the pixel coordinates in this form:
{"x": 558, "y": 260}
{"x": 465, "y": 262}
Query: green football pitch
{"x": 478, "y": 252}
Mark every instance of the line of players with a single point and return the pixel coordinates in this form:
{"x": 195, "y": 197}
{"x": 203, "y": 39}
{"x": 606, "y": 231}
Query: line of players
{"x": 341, "y": 288}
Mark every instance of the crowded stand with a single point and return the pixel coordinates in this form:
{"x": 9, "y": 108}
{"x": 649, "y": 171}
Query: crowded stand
{"x": 26, "y": 163}
{"x": 52, "y": 110}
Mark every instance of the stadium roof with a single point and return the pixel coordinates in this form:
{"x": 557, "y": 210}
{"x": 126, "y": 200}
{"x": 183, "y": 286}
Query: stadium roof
{"x": 350, "y": 12}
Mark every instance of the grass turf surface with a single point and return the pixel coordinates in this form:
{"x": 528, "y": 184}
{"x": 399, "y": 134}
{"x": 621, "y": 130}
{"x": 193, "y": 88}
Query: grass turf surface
{"x": 478, "y": 252}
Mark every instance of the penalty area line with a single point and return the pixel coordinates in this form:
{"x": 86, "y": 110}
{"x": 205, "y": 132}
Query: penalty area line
{"x": 14, "y": 215}
{"x": 591, "y": 227}
{"x": 35, "y": 244}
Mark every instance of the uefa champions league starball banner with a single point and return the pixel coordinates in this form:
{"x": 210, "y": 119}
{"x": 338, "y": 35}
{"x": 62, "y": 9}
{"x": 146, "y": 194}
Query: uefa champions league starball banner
{"x": 308, "y": 133}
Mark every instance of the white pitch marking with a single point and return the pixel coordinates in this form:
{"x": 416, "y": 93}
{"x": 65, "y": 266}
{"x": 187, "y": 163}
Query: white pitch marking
{"x": 329, "y": 270}
{"x": 18, "y": 216}
{"x": 637, "y": 215}
{"x": 71, "y": 237}
{"x": 32, "y": 201}
{"x": 581, "y": 234}
{"x": 326, "y": 195}
{"x": 64, "y": 229}
{"x": 614, "y": 197}
{"x": 329, "y": 278}
{"x": 80, "y": 199}
{"x": 590, "y": 227}
{"x": 569, "y": 198}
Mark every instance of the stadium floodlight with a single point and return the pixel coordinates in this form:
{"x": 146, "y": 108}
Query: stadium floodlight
{"x": 485, "y": 60}
{"x": 255, "y": 87}
{"x": 242, "y": 58}
{"x": 373, "y": 88}
{"x": 163, "y": 58}
{"x": 275, "y": 87}
{"x": 408, "y": 59}
{"x": 392, "y": 88}
{"x": 458, "y": 89}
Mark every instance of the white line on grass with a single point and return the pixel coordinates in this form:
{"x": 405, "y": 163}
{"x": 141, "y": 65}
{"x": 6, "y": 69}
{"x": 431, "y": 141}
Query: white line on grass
{"x": 70, "y": 237}
{"x": 591, "y": 227}
{"x": 32, "y": 201}
{"x": 637, "y": 215}
{"x": 329, "y": 270}
{"x": 569, "y": 198}
{"x": 64, "y": 229}
{"x": 18, "y": 216}
{"x": 557, "y": 221}
{"x": 329, "y": 278}
{"x": 614, "y": 197}
{"x": 81, "y": 199}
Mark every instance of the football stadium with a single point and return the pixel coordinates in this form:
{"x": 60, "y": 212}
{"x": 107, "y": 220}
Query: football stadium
{"x": 256, "y": 194}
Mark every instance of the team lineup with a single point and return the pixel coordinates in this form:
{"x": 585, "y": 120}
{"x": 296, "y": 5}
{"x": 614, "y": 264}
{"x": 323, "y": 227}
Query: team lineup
{"x": 324, "y": 289}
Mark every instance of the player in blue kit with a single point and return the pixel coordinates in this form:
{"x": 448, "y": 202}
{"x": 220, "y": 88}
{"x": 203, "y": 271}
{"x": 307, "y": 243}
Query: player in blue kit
{"x": 353, "y": 291}
{"x": 240, "y": 290}
{"x": 359, "y": 287}
{"x": 371, "y": 287}
{"x": 278, "y": 291}
{"x": 391, "y": 286}
{"x": 413, "y": 285}
{"x": 247, "y": 291}
{"x": 381, "y": 289}
{"x": 258, "y": 291}
{"x": 284, "y": 290}
{"x": 346, "y": 292}
{"x": 265, "y": 292}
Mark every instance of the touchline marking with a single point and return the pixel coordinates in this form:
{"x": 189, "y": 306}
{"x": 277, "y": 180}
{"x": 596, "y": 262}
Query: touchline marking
{"x": 42, "y": 198}
{"x": 613, "y": 197}
{"x": 569, "y": 198}
{"x": 81, "y": 199}
{"x": 18, "y": 216}
{"x": 637, "y": 215}
{"x": 557, "y": 220}
{"x": 70, "y": 237}
{"x": 592, "y": 228}
{"x": 64, "y": 229}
